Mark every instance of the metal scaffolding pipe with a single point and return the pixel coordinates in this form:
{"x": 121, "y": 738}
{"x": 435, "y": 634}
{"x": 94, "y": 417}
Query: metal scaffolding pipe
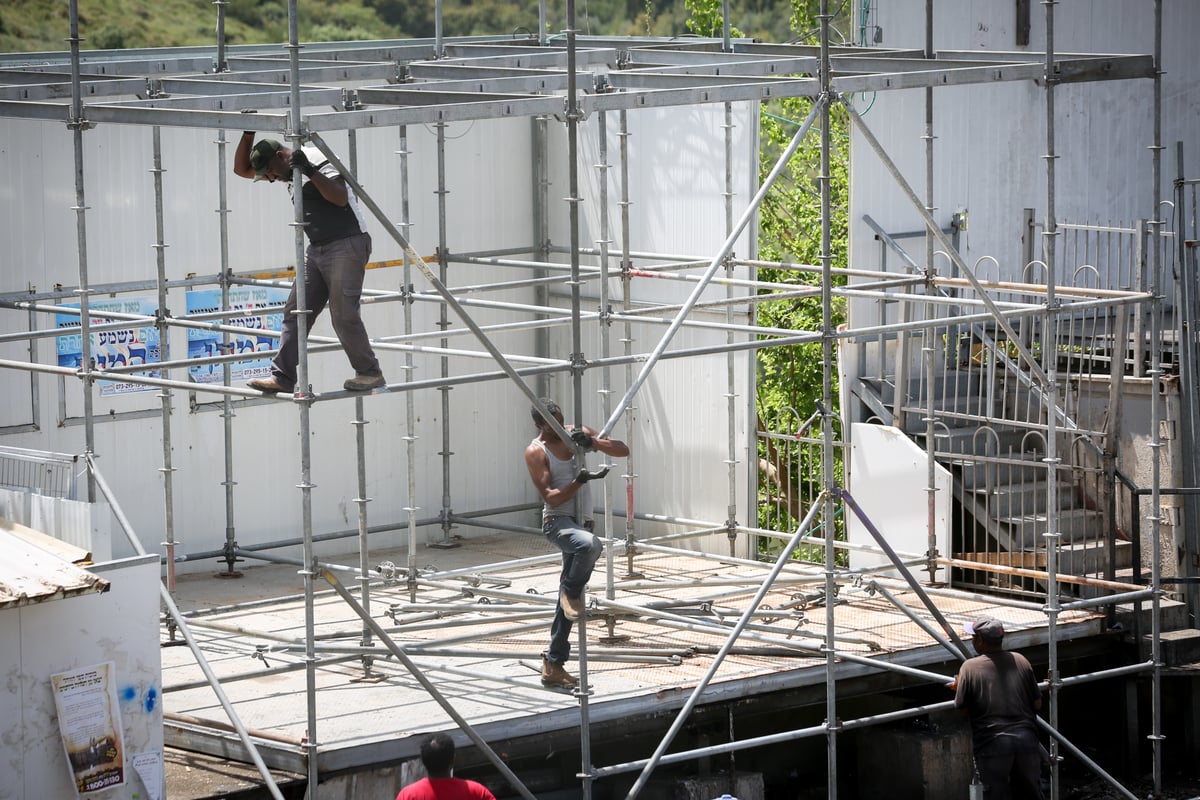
{"x": 428, "y": 686}
{"x": 77, "y": 124}
{"x": 164, "y": 344}
{"x": 713, "y": 266}
{"x": 711, "y": 672}
{"x": 182, "y": 626}
{"x": 438, "y": 284}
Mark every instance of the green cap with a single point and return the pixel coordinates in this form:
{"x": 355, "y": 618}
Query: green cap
{"x": 261, "y": 154}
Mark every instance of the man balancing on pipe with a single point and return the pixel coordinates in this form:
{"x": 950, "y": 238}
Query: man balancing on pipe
{"x": 562, "y": 481}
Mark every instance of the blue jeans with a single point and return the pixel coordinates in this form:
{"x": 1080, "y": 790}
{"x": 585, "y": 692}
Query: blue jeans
{"x": 333, "y": 276}
{"x": 580, "y": 551}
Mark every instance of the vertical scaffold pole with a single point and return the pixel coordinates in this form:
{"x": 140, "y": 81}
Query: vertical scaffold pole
{"x": 627, "y": 340}
{"x": 360, "y": 450}
{"x": 731, "y": 459}
{"x": 577, "y": 369}
{"x": 164, "y": 344}
{"x": 303, "y": 396}
{"x": 605, "y": 327}
{"x": 77, "y": 124}
{"x": 827, "y": 341}
{"x": 444, "y": 323}
{"x": 928, "y": 348}
{"x": 1050, "y": 367}
{"x": 1156, "y": 397}
{"x": 410, "y": 413}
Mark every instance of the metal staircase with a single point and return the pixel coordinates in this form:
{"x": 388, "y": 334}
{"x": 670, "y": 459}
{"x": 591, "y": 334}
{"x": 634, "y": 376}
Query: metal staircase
{"x": 989, "y": 429}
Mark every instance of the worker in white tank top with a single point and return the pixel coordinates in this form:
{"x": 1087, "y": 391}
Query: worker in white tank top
{"x": 562, "y": 483}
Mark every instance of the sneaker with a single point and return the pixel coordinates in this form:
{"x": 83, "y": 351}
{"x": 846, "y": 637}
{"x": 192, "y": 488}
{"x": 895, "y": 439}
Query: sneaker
{"x": 269, "y": 385}
{"x": 555, "y": 677}
{"x": 572, "y": 606}
{"x": 364, "y": 383}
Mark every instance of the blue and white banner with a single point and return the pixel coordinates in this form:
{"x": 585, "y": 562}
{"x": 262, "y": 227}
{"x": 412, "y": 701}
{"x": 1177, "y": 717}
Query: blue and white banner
{"x": 112, "y": 348}
{"x": 203, "y": 343}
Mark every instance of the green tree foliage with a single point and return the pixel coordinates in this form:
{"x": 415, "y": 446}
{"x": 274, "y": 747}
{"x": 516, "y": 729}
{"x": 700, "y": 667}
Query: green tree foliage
{"x": 792, "y": 379}
{"x": 31, "y": 25}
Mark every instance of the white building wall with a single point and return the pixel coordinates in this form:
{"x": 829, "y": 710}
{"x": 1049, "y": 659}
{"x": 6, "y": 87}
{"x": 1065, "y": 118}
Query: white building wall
{"x": 681, "y": 430}
{"x": 991, "y": 139}
{"x": 489, "y": 206}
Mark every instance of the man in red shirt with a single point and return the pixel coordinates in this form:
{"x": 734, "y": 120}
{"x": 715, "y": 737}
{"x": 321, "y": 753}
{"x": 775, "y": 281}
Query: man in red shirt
{"x": 437, "y": 754}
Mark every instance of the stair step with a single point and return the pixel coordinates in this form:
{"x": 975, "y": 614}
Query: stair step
{"x": 914, "y": 418}
{"x": 956, "y": 383}
{"x": 1019, "y": 469}
{"x": 1090, "y": 558}
{"x": 1076, "y": 525}
{"x": 980, "y": 440}
{"x": 1020, "y": 499}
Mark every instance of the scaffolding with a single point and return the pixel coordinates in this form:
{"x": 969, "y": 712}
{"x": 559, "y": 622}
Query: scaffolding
{"x": 407, "y": 83}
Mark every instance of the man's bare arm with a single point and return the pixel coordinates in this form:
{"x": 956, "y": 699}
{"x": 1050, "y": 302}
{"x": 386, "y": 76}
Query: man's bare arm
{"x": 610, "y": 447}
{"x": 241, "y": 156}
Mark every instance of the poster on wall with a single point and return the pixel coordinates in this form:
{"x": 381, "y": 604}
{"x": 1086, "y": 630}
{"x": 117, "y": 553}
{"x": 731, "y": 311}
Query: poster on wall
{"x": 111, "y": 348}
{"x": 90, "y": 724}
{"x": 204, "y": 343}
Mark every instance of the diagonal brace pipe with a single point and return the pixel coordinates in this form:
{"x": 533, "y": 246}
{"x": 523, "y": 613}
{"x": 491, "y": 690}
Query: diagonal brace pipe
{"x": 845, "y": 497}
{"x": 426, "y": 684}
{"x": 784, "y": 556}
{"x": 441, "y": 289}
{"x": 714, "y": 265}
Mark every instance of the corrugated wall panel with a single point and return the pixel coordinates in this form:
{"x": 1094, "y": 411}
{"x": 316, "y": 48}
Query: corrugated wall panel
{"x": 489, "y": 206}
{"x": 677, "y": 177}
{"x": 991, "y": 141}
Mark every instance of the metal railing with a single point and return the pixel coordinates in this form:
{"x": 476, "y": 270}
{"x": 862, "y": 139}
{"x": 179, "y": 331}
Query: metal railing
{"x": 39, "y": 472}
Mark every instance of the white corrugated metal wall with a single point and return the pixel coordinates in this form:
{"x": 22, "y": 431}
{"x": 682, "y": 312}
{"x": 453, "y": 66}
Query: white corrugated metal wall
{"x": 677, "y": 177}
{"x": 991, "y": 139}
{"x": 678, "y": 208}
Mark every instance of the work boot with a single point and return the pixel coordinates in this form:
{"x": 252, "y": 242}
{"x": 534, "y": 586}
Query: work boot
{"x": 269, "y": 385}
{"x": 555, "y": 677}
{"x": 572, "y": 606}
{"x": 364, "y": 383}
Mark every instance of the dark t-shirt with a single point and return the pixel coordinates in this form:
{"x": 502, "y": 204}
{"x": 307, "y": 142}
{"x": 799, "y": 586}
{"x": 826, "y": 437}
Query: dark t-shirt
{"x": 445, "y": 789}
{"x": 998, "y": 691}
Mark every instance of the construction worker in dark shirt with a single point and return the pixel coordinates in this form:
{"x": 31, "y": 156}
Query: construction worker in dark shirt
{"x": 334, "y": 263}
{"x": 1001, "y": 696}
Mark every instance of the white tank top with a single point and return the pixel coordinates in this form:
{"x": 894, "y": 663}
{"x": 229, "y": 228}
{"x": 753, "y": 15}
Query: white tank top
{"x": 562, "y": 472}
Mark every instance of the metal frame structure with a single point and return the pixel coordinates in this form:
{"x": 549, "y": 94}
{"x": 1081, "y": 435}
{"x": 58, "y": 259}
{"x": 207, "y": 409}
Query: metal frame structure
{"x": 573, "y": 79}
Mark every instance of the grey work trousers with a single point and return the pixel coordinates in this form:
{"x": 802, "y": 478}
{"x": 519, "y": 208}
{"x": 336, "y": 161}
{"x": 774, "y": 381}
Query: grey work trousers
{"x": 333, "y": 276}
